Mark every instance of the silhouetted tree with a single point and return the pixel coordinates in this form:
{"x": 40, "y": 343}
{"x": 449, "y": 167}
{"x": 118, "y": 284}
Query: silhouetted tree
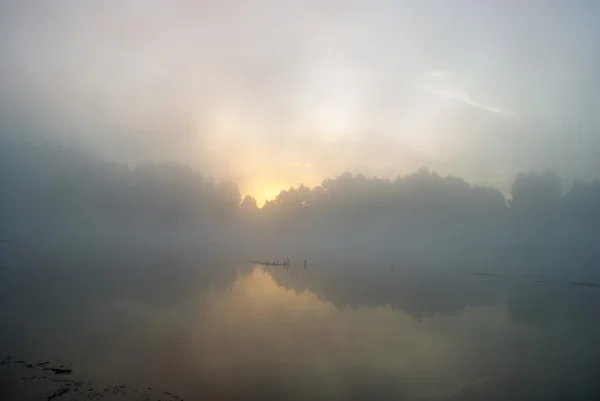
{"x": 535, "y": 190}
{"x": 48, "y": 187}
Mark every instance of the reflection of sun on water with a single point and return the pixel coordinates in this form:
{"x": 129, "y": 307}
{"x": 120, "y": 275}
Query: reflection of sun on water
{"x": 288, "y": 332}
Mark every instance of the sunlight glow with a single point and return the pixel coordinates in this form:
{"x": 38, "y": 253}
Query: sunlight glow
{"x": 262, "y": 194}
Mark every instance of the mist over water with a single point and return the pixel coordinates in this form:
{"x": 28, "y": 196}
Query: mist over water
{"x": 424, "y": 287}
{"x": 325, "y": 200}
{"x": 177, "y": 322}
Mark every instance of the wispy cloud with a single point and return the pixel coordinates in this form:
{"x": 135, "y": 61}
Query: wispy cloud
{"x": 455, "y": 93}
{"x": 443, "y": 83}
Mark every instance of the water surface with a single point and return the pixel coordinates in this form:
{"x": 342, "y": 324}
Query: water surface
{"x": 222, "y": 328}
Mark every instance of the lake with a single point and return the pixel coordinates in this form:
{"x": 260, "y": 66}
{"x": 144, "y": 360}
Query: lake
{"x": 169, "y": 325}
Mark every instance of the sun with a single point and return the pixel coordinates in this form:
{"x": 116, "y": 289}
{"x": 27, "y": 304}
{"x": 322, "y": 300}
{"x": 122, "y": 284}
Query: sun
{"x": 262, "y": 194}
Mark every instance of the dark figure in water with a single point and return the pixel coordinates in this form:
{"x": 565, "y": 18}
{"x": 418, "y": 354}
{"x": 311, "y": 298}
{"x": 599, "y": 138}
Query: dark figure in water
{"x": 287, "y": 261}
{"x": 277, "y": 263}
{"x": 304, "y": 264}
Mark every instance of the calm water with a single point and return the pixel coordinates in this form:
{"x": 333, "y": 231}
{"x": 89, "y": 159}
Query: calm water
{"x": 214, "y": 329}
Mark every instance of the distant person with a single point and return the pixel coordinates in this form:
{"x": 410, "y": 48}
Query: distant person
{"x": 304, "y": 264}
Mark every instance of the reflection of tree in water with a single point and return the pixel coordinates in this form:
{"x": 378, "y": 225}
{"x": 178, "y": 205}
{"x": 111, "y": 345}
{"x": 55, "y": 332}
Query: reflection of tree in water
{"x": 425, "y": 293}
{"x": 493, "y": 355}
{"x": 419, "y": 295}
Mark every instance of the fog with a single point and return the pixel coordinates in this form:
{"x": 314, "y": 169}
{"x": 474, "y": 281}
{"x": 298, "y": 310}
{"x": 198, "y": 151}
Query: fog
{"x": 325, "y": 200}
{"x": 114, "y": 118}
{"x": 422, "y": 287}
{"x": 56, "y": 196}
{"x": 274, "y": 95}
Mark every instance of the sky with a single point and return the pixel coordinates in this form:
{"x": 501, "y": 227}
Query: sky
{"x": 274, "y": 94}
